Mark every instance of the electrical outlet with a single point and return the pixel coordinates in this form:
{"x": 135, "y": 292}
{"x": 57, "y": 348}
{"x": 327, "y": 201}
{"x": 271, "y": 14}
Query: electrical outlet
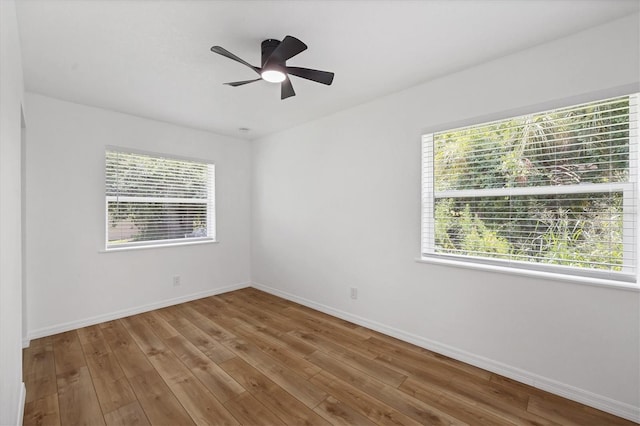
{"x": 354, "y": 293}
{"x": 176, "y": 280}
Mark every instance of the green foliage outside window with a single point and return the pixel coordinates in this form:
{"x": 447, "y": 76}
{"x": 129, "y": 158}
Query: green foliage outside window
{"x": 574, "y": 146}
{"x": 170, "y": 183}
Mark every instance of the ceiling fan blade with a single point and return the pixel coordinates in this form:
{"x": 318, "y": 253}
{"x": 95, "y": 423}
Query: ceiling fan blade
{"x": 240, "y": 83}
{"x": 224, "y": 52}
{"x": 318, "y": 76}
{"x": 287, "y": 49}
{"x": 286, "y": 89}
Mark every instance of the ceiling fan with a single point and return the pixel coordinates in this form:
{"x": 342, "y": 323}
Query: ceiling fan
{"x": 275, "y": 55}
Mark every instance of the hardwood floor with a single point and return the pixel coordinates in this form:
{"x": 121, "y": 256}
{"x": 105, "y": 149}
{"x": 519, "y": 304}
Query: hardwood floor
{"x": 250, "y": 358}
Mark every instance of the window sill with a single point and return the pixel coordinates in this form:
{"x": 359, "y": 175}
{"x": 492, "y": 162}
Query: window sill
{"x": 597, "y": 282}
{"x": 157, "y": 246}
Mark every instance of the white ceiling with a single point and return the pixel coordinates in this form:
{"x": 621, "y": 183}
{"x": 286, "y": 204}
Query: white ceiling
{"x": 152, "y": 59}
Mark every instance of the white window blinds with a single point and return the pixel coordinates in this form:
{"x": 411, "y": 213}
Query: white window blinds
{"x": 157, "y": 200}
{"x": 556, "y": 191}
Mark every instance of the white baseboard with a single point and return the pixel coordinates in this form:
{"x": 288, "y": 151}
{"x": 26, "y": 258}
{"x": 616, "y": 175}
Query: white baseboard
{"x": 72, "y": 325}
{"x": 21, "y": 402}
{"x": 591, "y": 399}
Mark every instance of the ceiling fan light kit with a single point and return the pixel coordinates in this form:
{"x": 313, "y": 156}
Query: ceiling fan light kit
{"x": 273, "y": 76}
{"x": 274, "y": 69}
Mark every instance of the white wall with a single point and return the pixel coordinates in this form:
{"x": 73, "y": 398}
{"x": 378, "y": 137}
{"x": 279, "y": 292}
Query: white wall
{"x": 336, "y": 203}
{"x": 69, "y": 281}
{"x": 11, "y": 94}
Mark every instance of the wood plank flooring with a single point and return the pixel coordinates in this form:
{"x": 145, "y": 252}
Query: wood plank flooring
{"x": 250, "y": 358}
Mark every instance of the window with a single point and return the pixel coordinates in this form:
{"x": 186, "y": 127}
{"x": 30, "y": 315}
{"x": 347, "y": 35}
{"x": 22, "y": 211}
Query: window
{"x": 153, "y": 199}
{"x": 553, "y": 191}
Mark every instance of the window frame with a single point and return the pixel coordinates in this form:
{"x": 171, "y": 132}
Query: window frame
{"x": 210, "y": 202}
{"x": 631, "y": 212}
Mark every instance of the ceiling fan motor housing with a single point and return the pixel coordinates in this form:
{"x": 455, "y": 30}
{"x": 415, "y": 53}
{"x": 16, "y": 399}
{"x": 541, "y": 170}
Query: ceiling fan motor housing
{"x": 268, "y": 46}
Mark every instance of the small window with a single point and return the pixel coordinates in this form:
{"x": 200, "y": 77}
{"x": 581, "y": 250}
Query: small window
{"x": 553, "y": 191}
{"x": 156, "y": 199}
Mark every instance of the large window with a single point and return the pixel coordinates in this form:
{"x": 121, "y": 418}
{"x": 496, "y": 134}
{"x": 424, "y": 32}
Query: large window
{"x": 555, "y": 191}
{"x": 152, "y": 199}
